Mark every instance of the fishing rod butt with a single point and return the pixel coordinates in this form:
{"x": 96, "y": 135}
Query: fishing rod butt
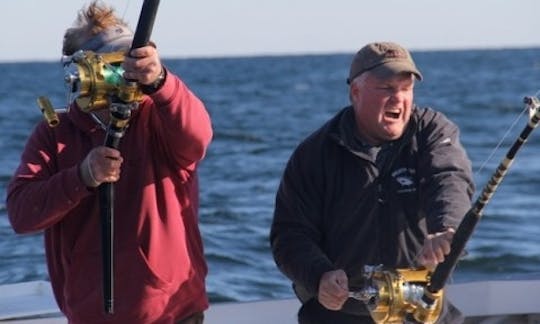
{"x": 109, "y": 306}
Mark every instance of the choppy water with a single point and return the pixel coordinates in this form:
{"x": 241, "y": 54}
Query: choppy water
{"x": 261, "y": 108}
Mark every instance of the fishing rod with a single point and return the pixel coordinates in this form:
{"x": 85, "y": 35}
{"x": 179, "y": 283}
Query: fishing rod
{"x": 473, "y": 216}
{"x": 392, "y": 294}
{"x": 120, "y": 113}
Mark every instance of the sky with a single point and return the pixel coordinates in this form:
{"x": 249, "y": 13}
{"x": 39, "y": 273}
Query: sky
{"x": 33, "y": 29}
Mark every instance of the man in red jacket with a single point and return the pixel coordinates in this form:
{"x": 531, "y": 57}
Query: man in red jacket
{"x": 160, "y": 268}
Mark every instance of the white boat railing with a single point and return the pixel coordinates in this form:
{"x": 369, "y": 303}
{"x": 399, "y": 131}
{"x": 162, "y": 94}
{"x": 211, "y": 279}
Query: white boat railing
{"x": 498, "y": 301}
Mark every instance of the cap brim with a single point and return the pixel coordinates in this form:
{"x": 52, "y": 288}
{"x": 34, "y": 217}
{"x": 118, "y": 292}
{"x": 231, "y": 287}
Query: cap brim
{"x": 390, "y": 69}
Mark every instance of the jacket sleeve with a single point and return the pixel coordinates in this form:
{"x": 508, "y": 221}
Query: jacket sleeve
{"x": 181, "y": 122}
{"x": 295, "y": 234}
{"x": 446, "y": 175}
{"x": 39, "y": 195}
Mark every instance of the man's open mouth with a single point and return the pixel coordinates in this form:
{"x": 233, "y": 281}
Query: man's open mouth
{"x": 392, "y": 114}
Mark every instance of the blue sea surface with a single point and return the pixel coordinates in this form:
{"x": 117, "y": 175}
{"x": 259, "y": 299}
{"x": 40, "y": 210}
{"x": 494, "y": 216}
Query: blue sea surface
{"x": 261, "y": 108}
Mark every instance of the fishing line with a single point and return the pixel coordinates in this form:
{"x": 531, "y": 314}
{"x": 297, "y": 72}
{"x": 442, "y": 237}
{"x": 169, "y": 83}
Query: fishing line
{"x": 501, "y": 141}
{"x": 125, "y": 10}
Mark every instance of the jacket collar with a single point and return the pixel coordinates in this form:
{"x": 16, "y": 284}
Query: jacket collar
{"x": 342, "y": 130}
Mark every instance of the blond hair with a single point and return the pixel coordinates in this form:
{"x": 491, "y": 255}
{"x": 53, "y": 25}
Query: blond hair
{"x": 92, "y": 20}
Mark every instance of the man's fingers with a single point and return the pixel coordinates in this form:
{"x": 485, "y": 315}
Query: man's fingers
{"x": 333, "y": 289}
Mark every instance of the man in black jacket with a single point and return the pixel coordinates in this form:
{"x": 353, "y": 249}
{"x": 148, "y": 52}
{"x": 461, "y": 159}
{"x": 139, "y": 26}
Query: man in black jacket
{"x": 382, "y": 182}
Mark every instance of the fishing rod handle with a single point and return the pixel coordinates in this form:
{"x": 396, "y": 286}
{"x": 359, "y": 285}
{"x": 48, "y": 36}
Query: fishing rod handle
{"x": 145, "y": 24}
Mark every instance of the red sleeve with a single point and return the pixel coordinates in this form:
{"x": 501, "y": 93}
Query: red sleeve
{"x": 181, "y": 123}
{"x": 38, "y": 195}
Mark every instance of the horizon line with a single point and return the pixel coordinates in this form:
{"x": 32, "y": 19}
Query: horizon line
{"x": 293, "y": 53}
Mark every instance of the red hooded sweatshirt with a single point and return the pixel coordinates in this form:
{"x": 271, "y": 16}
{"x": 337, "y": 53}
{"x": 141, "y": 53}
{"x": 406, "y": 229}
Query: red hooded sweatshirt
{"x": 159, "y": 262}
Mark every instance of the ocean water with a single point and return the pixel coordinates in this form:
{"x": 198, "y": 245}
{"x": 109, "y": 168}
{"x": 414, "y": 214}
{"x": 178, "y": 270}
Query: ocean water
{"x": 261, "y": 108}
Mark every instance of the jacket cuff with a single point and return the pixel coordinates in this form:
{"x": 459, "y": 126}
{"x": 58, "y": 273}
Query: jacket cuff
{"x": 157, "y": 84}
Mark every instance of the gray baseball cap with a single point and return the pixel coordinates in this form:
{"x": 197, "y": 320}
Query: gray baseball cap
{"x": 384, "y": 59}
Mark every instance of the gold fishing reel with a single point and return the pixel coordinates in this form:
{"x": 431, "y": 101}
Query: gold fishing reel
{"x": 95, "y": 81}
{"x": 394, "y": 294}
{"x": 97, "y": 78}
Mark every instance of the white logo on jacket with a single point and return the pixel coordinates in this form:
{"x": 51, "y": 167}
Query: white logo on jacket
{"x": 405, "y": 178}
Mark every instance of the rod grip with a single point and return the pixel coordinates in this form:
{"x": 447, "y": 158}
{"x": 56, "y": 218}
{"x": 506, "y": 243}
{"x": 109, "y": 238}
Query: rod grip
{"x": 145, "y": 24}
{"x": 461, "y": 237}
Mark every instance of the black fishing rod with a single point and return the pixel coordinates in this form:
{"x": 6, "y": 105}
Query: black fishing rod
{"x": 120, "y": 113}
{"x": 472, "y": 217}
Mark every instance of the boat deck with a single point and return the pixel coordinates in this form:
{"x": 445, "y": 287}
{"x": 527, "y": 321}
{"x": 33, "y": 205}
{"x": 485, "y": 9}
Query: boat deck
{"x": 489, "y": 302}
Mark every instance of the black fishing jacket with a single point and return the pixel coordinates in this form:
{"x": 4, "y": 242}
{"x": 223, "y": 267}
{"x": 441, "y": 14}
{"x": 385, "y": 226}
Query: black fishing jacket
{"x": 339, "y": 208}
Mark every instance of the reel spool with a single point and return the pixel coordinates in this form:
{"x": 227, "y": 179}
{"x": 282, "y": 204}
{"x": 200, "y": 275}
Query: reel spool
{"x": 396, "y": 293}
{"x": 96, "y": 82}
{"x": 97, "y": 78}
